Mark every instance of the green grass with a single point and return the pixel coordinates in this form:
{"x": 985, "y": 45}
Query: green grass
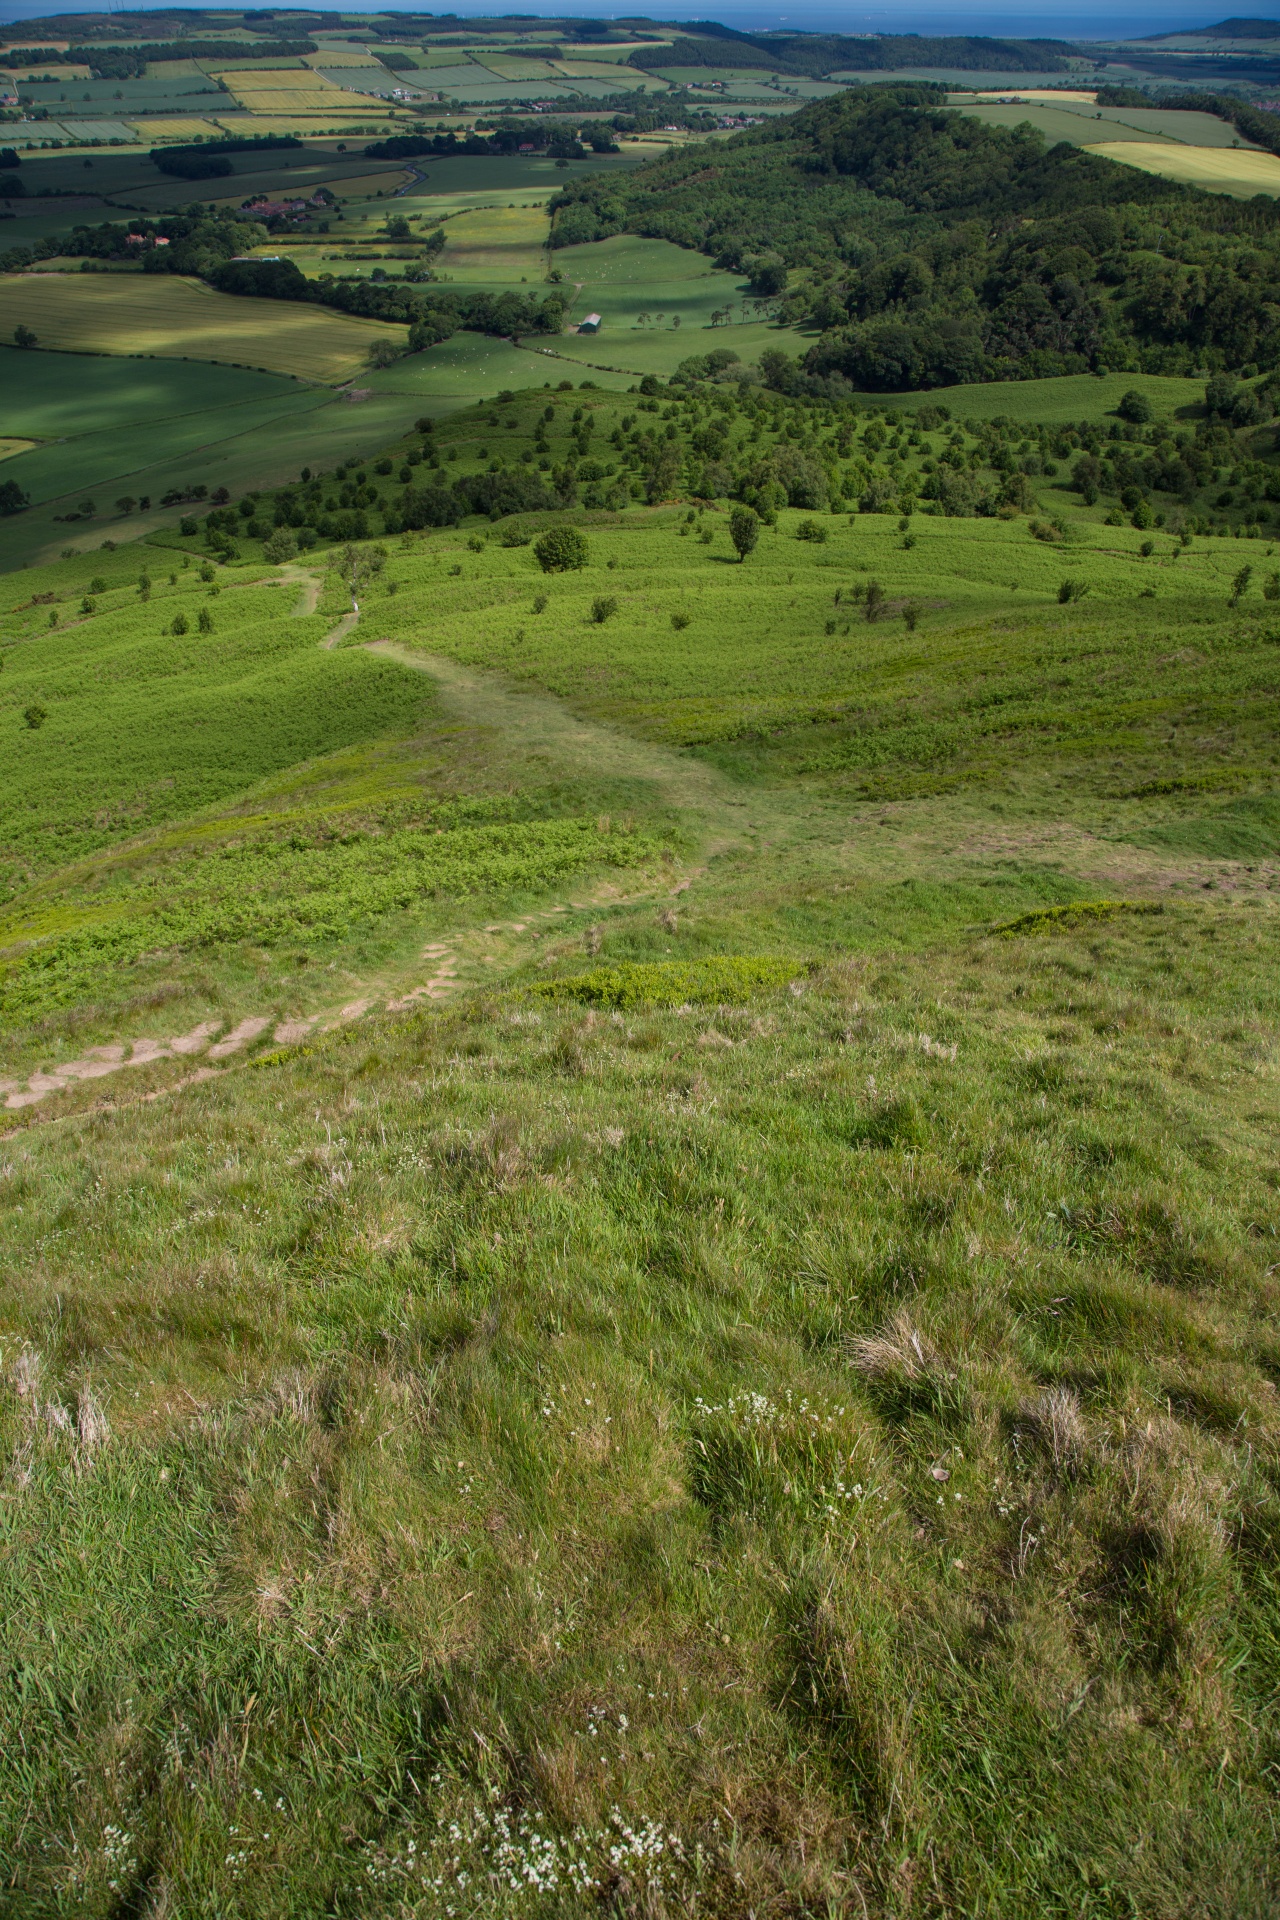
{"x": 766, "y": 1401}
{"x": 1068, "y": 396}
{"x": 116, "y": 427}
{"x": 145, "y": 727}
{"x": 612, "y": 1445}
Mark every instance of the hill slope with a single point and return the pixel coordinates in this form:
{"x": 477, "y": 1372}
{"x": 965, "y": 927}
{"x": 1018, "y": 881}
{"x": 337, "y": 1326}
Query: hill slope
{"x": 647, "y": 1279}
{"x": 931, "y": 249}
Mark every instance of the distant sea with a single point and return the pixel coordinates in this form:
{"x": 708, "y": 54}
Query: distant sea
{"x": 815, "y": 16}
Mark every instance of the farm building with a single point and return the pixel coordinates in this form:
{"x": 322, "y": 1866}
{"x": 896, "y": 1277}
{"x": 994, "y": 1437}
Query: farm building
{"x": 591, "y": 324}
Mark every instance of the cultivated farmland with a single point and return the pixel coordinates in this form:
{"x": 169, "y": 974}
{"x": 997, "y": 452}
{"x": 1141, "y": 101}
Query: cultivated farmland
{"x": 179, "y": 318}
{"x": 1218, "y": 169}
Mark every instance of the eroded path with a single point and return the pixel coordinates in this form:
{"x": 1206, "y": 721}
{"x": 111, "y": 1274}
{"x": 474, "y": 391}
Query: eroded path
{"x": 537, "y": 722}
{"x": 530, "y": 722}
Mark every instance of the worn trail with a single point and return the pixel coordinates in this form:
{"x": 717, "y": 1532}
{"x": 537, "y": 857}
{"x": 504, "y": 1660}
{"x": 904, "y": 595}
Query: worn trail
{"x": 721, "y": 819}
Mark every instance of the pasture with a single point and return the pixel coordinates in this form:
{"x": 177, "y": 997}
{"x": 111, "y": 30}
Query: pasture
{"x": 495, "y": 245}
{"x": 1084, "y": 125}
{"x": 115, "y": 427}
{"x": 173, "y": 317}
{"x": 1069, "y": 396}
{"x": 1217, "y": 169}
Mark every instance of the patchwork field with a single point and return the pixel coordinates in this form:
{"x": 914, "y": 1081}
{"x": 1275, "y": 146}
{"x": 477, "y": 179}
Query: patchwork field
{"x": 171, "y": 316}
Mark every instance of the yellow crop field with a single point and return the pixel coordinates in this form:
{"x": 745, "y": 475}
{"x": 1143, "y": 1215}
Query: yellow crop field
{"x": 307, "y": 103}
{"x": 587, "y": 69}
{"x": 9, "y": 447}
{"x": 272, "y": 79}
{"x": 1219, "y": 169}
{"x": 286, "y": 90}
{"x": 1040, "y": 94}
{"x": 184, "y": 127}
{"x": 339, "y": 57}
{"x": 176, "y": 318}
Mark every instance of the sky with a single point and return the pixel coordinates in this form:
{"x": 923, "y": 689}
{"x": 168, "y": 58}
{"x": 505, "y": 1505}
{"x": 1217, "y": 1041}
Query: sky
{"x": 1014, "y": 17}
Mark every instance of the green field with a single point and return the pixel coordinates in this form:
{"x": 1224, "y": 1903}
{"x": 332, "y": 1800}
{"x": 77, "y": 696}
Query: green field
{"x": 110, "y": 427}
{"x": 1070, "y": 396}
{"x": 1216, "y": 169}
{"x": 811, "y": 689}
{"x": 1086, "y": 126}
{"x": 174, "y": 317}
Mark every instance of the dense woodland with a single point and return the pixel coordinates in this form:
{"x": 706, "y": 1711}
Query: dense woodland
{"x": 931, "y": 249}
{"x": 815, "y": 54}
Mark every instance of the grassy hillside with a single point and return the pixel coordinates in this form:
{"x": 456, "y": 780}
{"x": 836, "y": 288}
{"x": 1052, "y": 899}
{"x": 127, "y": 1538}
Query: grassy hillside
{"x": 640, "y": 1202}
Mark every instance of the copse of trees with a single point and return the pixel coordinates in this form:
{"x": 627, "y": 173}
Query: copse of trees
{"x": 431, "y": 313}
{"x": 506, "y": 137}
{"x": 208, "y": 160}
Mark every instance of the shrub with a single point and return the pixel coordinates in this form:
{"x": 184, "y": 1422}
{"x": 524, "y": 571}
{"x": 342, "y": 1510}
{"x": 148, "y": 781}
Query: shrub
{"x": 603, "y": 608}
{"x": 811, "y": 530}
{"x": 561, "y": 550}
{"x": 1239, "y": 586}
{"x": 1134, "y": 407}
{"x": 681, "y": 620}
{"x": 1072, "y": 590}
{"x": 179, "y": 625}
{"x": 35, "y": 717}
{"x": 282, "y": 545}
{"x": 728, "y": 979}
{"x": 744, "y": 530}
{"x": 205, "y": 621}
{"x": 1077, "y": 913}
